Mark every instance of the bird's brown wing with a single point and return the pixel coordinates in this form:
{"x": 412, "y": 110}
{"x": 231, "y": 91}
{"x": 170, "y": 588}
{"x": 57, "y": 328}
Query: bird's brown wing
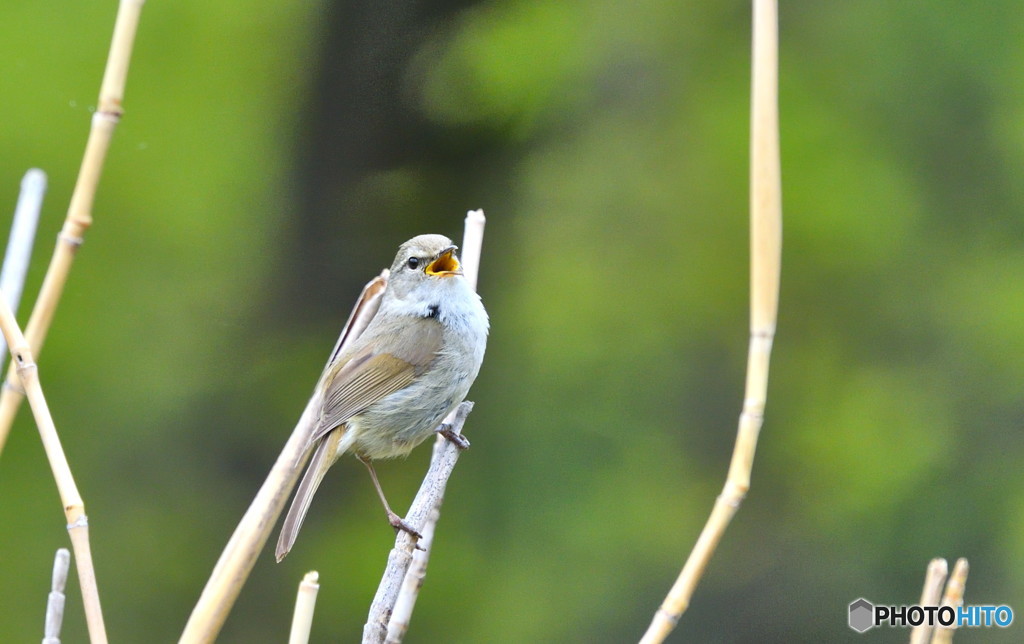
{"x": 368, "y": 376}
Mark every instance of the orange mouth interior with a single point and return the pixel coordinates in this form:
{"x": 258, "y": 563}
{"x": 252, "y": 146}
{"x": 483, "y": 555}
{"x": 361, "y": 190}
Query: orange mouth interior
{"x": 446, "y": 264}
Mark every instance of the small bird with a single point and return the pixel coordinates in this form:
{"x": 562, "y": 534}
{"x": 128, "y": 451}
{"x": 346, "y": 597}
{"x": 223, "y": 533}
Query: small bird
{"x": 413, "y": 364}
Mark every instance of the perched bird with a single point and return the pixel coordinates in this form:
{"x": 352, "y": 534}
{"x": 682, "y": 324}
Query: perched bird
{"x": 413, "y": 364}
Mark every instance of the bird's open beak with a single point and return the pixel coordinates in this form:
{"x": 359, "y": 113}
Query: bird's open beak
{"x": 446, "y": 264}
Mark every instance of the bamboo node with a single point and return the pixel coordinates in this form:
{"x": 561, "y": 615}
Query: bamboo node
{"x": 754, "y": 414}
{"x": 15, "y": 387}
{"x": 733, "y": 498}
{"x": 108, "y": 115}
{"x": 671, "y": 618}
{"x": 73, "y": 240}
{"x": 81, "y": 522}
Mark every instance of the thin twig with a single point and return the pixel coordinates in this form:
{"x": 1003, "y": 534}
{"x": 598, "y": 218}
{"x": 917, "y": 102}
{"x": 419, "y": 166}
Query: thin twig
{"x": 954, "y": 598}
{"x": 79, "y": 216}
{"x": 931, "y": 592}
{"x": 74, "y": 506}
{"x": 472, "y": 246}
{"x": 409, "y": 593}
{"x": 765, "y": 262}
{"x": 19, "y": 244}
{"x": 55, "y": 602}
{"x": 305, "y": 603}
{"x": 249, "y": 537}
{"x": 427, "y": 499}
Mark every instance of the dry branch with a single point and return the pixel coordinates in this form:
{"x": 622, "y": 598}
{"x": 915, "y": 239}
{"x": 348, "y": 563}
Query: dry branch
{"x": 74, "y": 507}
{"x": 401, "y": 615}
{"x": 427, "y": 500}
{"x": 765, "y": 263}
{"x": 79, "y": 216}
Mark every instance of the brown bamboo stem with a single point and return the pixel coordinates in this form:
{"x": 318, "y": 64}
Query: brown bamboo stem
{"x": 79, "y": 216}
{"x": 765, "y": 265}
{"x": 74, "y": 507}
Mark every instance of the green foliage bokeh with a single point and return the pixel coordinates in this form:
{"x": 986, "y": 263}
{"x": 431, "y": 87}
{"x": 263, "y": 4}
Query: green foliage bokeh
{"x": 607, "y": 143}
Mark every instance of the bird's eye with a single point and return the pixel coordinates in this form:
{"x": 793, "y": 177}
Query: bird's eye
{"x": 413, "y": 262}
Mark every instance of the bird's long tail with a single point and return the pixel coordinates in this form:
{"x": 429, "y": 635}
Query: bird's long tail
{"x": 324, "y": 456}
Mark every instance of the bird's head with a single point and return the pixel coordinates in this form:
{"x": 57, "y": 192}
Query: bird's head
{"x": 424, "y": 264}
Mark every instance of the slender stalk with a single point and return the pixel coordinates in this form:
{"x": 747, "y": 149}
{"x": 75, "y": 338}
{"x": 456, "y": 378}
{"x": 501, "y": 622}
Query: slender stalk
{"x": 55, "y": 602}
{"x": 79, "y": 216}
{"x": 766, "y": 254}
{"x": 953, "y": 597}
{"x": 74, "y": 506}
{"x": 428, "y": 498}
{"x": 931, "y": 593}
{"x": 305, "y": 603}
{"x": 241, "y": 551}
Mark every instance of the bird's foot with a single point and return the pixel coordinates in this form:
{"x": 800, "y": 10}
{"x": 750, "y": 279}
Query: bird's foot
{"x": 398, "y": 523}
{"x": 459, "y": 440}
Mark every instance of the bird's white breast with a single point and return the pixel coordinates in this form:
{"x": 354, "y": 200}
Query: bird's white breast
{"x": 394, "y": 425}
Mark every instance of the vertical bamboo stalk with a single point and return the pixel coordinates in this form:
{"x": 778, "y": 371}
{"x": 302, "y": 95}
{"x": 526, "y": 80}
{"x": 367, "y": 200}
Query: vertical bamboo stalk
{"x": 954, "y": 598}
{"x": 305, "y": 603}
{"x": 931, "y": 593}
{"x": 472, "y": 245}
{"x": 79, "y": 216}
{"x": 55, "y": 601}
{"x": 765, "y": 265}
{"x": 74, "y": 506}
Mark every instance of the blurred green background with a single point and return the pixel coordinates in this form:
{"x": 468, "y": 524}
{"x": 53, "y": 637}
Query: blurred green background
{"x": 273, "y": 156}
